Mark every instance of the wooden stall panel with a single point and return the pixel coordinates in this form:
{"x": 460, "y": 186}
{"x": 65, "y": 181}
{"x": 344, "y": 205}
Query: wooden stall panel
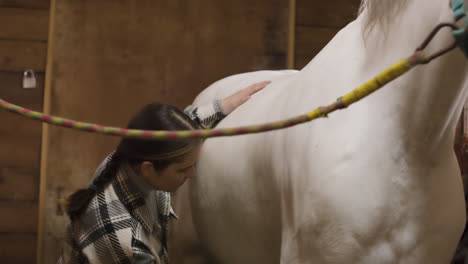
{"x": 331, "y": 13}
{"x": 18, "y": 248}
{"x": 12, "y": 90}
{"x": 24, "y": 24}
{"x": 19, "y": 140}
{"x": 19, "y": 55}
{"x": 309, "y": 42}
{"x": 26, "y": 4}
{"x": 18, "y": 217}
{"x": 18, "y": 184}
{"x": 316, "y": 24}
{"x": 23, "y": 45}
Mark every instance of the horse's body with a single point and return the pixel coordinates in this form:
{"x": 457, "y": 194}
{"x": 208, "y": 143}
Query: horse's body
{"x": 375, "y": 183}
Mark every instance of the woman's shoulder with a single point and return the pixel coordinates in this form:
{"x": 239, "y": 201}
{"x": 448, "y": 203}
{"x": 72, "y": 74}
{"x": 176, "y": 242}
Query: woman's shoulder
{"x": 103, "y": 230}
{"x": 105, "y": 223}
{"x": 105, "y": 212}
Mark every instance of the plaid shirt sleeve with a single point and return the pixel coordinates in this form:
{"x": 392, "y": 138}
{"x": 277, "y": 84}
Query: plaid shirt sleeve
{"x": 206, "y": 116}
{"x": 70, "y": 254}
{"x": 140, "y": 254}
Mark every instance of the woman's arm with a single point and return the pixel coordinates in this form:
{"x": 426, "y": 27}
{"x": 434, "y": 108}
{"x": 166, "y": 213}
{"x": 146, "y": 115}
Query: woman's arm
{"x": 208, "y": 115}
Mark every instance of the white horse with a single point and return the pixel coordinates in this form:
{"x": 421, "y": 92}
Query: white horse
{"x": 375, "y": 183}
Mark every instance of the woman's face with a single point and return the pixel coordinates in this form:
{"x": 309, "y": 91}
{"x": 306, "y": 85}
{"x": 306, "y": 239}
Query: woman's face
{"x": 172, "y": 177}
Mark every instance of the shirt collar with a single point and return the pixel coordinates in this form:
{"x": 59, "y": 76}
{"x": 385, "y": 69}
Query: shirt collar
{"x": 132, "y": 198}
{"x": 131, "y": 190}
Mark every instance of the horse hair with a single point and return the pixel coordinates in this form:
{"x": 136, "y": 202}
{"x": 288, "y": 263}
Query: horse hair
{"x": 380, "y": 12}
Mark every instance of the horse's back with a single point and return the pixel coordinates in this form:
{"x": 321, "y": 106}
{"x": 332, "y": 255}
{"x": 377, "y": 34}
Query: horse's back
{"x": 227, "y": 86}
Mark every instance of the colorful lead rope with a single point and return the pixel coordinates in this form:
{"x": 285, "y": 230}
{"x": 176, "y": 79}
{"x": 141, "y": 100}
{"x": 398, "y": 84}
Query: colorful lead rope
{"x": 357, "y": 94}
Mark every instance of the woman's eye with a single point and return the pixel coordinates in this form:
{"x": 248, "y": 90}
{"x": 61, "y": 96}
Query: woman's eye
{"x": 194, "y": 166}
{"x": 185, "y": 170}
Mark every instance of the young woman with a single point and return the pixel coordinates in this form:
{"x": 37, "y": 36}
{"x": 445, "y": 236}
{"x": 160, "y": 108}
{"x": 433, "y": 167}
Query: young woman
{"x": 124, "y": 214}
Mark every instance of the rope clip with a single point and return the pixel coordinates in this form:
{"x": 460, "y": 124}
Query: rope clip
{"x": 419, "y": 53}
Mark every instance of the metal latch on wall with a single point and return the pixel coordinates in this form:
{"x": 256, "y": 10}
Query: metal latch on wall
{"x": 29, "y": 79}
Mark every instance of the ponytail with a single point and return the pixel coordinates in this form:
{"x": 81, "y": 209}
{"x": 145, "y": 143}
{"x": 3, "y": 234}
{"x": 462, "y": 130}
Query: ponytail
{"x": 79, "y": 200}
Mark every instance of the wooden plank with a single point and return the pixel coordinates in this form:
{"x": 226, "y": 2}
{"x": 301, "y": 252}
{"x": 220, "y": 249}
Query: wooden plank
{"x": 19, "y": 142}
{"x": 330, "y": 13}
{"x": 19, "y": 184}
{"x": 19, "y": 150}
{"x": 20, "y": 134}
{"x": 20, "y": 55}
{"x": 18, "y": 248}
{"x": 31, "y": 4}
{"x": 18, "y": 216}
{"x": 309, "y": 42}
{"x": 291, "y": 34}
{"x": 20, "y": 126}
{"x": 12, "y": 89}
{"x": 26, "y": 24}
{"x": 45, "y": 141}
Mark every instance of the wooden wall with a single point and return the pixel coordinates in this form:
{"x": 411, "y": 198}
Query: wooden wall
{"x": 316, "y": 24}
{"x": 23, "y": 45}
{"x": 112, "y": 57}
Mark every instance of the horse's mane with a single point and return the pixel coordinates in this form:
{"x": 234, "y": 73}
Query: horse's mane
{"x": 379, "y": 12}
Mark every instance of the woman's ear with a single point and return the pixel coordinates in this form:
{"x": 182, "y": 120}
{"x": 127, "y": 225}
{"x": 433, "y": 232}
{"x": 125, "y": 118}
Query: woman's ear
{"x": 147, "y": 170}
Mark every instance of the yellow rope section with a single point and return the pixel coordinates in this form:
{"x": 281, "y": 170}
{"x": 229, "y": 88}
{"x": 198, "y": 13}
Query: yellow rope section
{"x": 372, "y": 85}
{"x": 380, "y": 80}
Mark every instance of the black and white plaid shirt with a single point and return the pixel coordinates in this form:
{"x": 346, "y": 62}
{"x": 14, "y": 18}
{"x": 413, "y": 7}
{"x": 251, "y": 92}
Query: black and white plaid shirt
{"x": 118, "y": 227}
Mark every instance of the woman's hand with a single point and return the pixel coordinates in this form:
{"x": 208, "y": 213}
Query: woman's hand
{"x": 233, "y": 101}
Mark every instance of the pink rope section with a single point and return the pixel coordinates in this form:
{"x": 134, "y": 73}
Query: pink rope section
{"x": 154, "y": 135}
{"x": 167, "y": 135}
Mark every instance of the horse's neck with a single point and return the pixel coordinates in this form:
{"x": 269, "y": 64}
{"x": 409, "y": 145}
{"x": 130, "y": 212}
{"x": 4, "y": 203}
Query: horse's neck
{"x": 422, "y": 107}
